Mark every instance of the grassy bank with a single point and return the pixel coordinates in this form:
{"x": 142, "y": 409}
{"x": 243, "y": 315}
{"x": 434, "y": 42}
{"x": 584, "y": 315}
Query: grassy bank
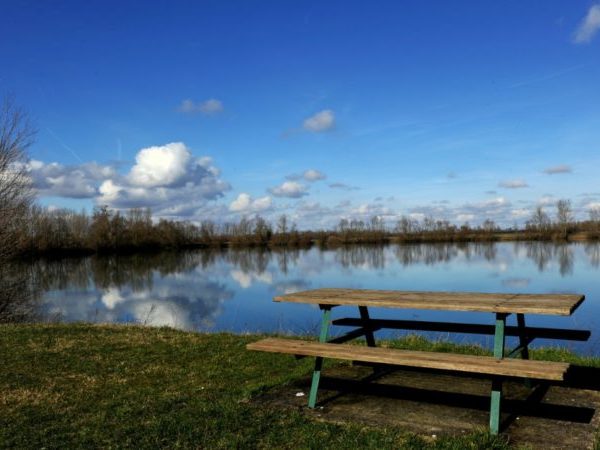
{"x": 73, "y": 386}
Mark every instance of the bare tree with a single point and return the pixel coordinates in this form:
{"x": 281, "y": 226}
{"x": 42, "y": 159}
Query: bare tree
{"x": 489, "y": 226}
{"x": 595, "y": 214}
{"x": 282, "y": 224}
{"x": 16, "y": 134}
{"x": 540, "y": 219}
{"x": 564, "y": 216}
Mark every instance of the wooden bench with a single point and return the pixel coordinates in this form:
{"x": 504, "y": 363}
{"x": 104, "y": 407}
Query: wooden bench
{"x": 497, "y": 367}
{"x": 488, "y": 365}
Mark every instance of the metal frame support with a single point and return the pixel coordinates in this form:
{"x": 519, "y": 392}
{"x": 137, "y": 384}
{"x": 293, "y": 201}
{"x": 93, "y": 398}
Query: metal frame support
{"x": 523, "y": 338}
{"x": 499, "y": 335}
{"x": 496, "y": 395}
{"x": 316, "y": 377}
{"x": 496, "y": 403}
{"x": 524, "y": 341}
{"x": 364, "y": 315}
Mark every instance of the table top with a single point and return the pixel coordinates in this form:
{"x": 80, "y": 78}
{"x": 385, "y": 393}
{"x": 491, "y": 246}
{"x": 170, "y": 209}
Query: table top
{"x": 553, "y": 304}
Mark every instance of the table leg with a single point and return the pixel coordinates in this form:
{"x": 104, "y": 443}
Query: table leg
{"x": 496, "y": 397}
{"x": 499, "y": 335}
{"x": 523, "y": 343}
{"x": 523, "y": 339}
{"x": 316, "y": 377}
{"x": 364, "y": 315}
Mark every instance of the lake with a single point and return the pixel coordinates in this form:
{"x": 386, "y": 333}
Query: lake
{"x": 232, "y": 290}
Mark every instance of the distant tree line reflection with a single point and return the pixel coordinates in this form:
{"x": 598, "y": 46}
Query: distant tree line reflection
{"x": 138, "y": 270}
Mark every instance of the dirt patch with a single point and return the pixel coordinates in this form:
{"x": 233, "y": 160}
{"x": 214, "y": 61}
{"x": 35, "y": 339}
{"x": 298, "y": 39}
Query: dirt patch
{"x": 436, "y": 404}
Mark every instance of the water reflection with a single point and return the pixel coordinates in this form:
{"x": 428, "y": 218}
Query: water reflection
{"x": 232, "y": 289}
{"x": 592, "y": 250}
{"x": 431, "y": 254}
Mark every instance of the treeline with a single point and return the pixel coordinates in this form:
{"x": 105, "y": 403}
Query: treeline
{"x": 42, "y": 231}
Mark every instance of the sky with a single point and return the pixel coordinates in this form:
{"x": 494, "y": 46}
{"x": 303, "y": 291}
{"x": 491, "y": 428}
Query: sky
{"x": 462, "y": 110}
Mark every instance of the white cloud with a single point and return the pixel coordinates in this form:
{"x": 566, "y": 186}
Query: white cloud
{"x": 589, "y": 26}
{"x": 79, "y": 181}
{"x": 520, "y": 213}
{"x": 513, "y": 184}
{"x": 371, "y": 209}
{"x": 167, "y": 178}
{"x": 208, "y": 107}
{"x": 245, "y": 278}
{"x": 290, "y": 189}
{"x": 546, "y": 200}
{"x": 314, "y": 175}
{"x": 262, "y": 203}
{"x": 109, "y": 191}
{"x": 465, "y": 217}
{"x": 321, "y": 121}
{"x": 498, "y": 201}
{"x": 561, "y": 168}
{"x": 245, "y": 204}
{"x": 593, "y": 205}
{"x": 160, "y": 165}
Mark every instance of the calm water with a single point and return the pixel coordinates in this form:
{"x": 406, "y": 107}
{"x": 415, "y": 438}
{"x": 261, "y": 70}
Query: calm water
{"x": 232, "y": 290}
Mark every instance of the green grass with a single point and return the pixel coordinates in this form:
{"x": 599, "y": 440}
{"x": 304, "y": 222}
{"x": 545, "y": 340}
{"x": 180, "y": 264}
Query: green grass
{"x": 75, "y": 386}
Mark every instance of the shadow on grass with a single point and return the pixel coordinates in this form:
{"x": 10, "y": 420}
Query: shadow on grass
{"x": 578, "y": 377}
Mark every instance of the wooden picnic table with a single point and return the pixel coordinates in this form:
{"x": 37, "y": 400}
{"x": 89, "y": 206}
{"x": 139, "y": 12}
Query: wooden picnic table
{"x": 502, "y": 305}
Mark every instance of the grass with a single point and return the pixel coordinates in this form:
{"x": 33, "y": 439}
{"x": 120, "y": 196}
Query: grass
{"x": 75, "y": 386}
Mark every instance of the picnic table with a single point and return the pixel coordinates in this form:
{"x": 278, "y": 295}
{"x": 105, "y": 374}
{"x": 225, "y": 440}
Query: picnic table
{"x": 499, "y": 367}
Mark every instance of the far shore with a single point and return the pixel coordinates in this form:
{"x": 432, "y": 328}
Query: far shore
{"x": 309, "y": 239}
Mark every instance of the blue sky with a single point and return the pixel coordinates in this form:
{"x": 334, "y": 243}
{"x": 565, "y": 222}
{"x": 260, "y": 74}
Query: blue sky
{"x": 463, "y": 110}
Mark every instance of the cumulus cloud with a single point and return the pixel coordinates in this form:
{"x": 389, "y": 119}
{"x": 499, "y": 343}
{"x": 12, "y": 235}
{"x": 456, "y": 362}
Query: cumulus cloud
{"x": 166, "y": 178}
{"x": 513, "y": 184}
{"x": 321, "y": 121}
{"x": 561, "y": 168}
{"x": 160, "y": 165}
{"x": 208, "y": 107}
{"x": 290, "y": 189}
{"x": 589, "y": 26}
{"x": 314, "y": 175}
{"x": 78, "y": 181}
{"x": 244, "y": 203}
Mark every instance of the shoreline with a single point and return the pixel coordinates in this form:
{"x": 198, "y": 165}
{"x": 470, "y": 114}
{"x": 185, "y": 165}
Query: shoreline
{"x": 331, "y": 241}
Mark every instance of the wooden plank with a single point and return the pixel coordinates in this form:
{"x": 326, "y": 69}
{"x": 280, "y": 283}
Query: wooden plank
{"x": 541, "y": 370}
{"x": 554, "y": 304}
{"x": 466, "y": 328}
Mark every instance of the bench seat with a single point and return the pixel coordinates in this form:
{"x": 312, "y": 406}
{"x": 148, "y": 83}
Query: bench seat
{"x": 488, "y": 365}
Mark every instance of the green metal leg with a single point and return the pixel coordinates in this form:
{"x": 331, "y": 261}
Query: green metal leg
{"x": 523, "y": 343}
{"x": 364, "y": 315}
{"x": 523, "y": 336}
{"x": 314, "y": 387}
{"x": 496, "y": 397}
{"x": 496, "y": 402}
{"x": 499, "y": 336}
